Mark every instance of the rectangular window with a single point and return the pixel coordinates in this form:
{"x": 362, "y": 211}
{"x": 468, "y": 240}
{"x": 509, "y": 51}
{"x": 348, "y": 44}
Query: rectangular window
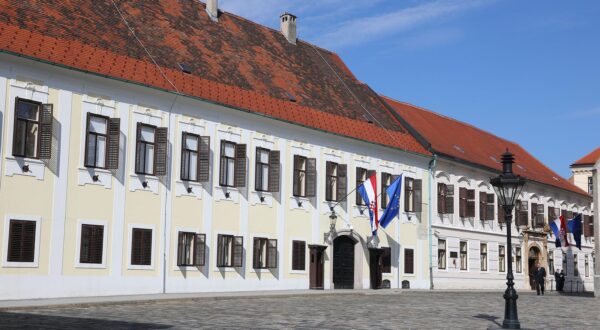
{"x": 230, "y": 250}
{"x": 386, "y": 260}
{"x": 227, "y": 164}
{"x": 21, "y": 241}
{"x": 300, "y": 164}
{"x": 331, "y": 181}
{"x": 470, "y": 203}
{"x": 441, "y": 254}
{"x": 467, "y": 203}
{"x": 412, "y": 195}
{"x": 501, "y": 258}
{"x": 463, "y": 256}
{"x": 386, "y": 180}
{"x": 92, "y": 244}
{"x": 190, "y": 150}
{"x": 261, "y": 182}
{"x": 445, "y": 198}
{"x": 361, "y": 176}
{"x": 483, "y": 257}
{"x": 96, "y": 141}
{"x": 551, "y": 262}
{"x": 191, "y": 249}
{"x": 591, "y": 185}
{"x": 486, "y": 206}
{"x": 409, "y": 260}
{"x": 265, "y": 253}
{"x": 26, "y": 136}
{"x": 537, "y": 215}
{"x": 145, "y": 149}
{"x": 522, "y": 213}
{"x": 587, "y": 266}
{"x": 564, "y": 263}
{"x": 575, "y": 265}
{"x": 298, "y": 255}
{"x": 141, "y": 246}
{"x": 518, "y": 263}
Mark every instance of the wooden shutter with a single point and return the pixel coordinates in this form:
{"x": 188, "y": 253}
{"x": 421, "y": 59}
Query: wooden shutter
{"x": 238, "y": 251}
{"x": 256, "y": 253}
{"x": 21, "y": 241}
{"x": 296, "y": 185}
{"x": 298, "y": 255}
{"x": 501, "y": 213}
{"x": 180, "y": 248}
{"x": 199, "y": 249}
{"x": 141, "y": 246}
{"x": 490, "y": 206}
{"x": 45, "y": 138}
{"x": 386, "y": 260}
{"x": 408, "y": 261}
{"x": 522, "y": 214}
{"x": 138, "y": 154}
{"x": 114, "y": 138}
{"x": 441, "y": 199}
{"x": 359, "y": 173}
{"x": 161, "y": 139}
{"x": 272, "y": 253}
{"x": 342, "y": 182}
{"x": 591, "y": 225}
{"x": 384, "y": 197}
{"x": 311, "y": 177}
{"x": 418, "y": 195}
{"x": 407, "y": 193}
{"x": 482, "y": 206}
{"x": 92, "y": 244}
{"x": 533, "y": 215}
{"x": 328, "y": 181}
{"x": 239, "y": 179}
{"x": 220, "y": 256}
{"x": 471, "y": 203}
{"x": 449, "y": 199}
{"x": 204, "y": 159}
{"x": 462, "y": 207}
{"x": 274, "y": 170}
{"x": 551, "y": 215}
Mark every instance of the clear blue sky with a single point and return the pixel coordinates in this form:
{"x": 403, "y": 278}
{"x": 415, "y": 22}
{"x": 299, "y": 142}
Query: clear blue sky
{"x": 528, "y": 71}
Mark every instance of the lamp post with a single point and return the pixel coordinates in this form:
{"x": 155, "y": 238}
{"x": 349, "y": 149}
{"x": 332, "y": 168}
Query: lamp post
{"x": 332, "y": 221}
{"x": 508, "y": 186}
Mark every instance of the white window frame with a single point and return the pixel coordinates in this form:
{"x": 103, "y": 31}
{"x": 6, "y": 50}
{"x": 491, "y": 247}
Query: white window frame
{"x": 80, "y": 224}
{"x": 130, "y": 228}
{"x": 446, "y": 254}
{"x": 505, "y": 257}
{"x": 459, "y": 260}
{"x": 36, "y": 254}
{"x": 487, "y": 257}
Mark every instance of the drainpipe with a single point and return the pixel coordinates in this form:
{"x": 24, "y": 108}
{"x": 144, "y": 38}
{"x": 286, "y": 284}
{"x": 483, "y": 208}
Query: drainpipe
{"x": 432, "y": 165}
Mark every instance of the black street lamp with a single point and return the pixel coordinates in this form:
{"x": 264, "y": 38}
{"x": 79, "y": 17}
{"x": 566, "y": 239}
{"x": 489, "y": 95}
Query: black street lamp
{"x": 508, "y": 186}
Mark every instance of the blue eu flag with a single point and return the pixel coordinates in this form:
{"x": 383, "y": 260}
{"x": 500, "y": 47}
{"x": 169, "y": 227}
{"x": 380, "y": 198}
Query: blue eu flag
{"x": 393, "y": 207}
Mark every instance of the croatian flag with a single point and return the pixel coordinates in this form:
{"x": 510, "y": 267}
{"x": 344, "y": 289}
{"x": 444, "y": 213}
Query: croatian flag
{"x": 559, "y": 228}
{"x": 368, "y": 192}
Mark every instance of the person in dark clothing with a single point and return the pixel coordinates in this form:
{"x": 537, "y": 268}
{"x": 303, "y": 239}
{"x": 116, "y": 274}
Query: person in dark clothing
{"x": 540, "y": 277}
{"x": 557, "y": 279}
{"x": 561, "y": 280}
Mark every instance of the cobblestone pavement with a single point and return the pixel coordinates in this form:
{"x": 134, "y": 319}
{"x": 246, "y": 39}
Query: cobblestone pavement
{"x": 402, "y": 310}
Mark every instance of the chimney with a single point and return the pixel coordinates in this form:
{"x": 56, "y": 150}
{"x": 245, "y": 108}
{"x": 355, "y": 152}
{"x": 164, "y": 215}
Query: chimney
{"x": 288, "y": 27}
{"x": 212, "y": 8}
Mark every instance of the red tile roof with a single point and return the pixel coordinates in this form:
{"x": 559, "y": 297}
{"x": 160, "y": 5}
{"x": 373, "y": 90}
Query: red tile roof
{"x": 234, "y": 62}
{"x": 457, "y": 140}
{"x": 589, "y": 159}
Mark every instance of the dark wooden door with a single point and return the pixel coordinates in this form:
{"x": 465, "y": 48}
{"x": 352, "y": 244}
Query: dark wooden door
{"x": 376, "y": 267}
{"x": 317, "y": 261}
{"x": 343, "y": 263}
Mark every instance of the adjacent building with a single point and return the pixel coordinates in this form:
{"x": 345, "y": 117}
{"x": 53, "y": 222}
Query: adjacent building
{"x": 469, "y": 233}
{"x": 167, "y": 146}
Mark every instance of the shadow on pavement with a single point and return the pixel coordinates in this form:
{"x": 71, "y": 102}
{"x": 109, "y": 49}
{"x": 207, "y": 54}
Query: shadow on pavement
{"x": 490, "y": 318}
{"x": 35, "y": 321}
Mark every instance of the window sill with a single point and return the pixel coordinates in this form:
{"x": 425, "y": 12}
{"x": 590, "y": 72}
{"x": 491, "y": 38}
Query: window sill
{"x": 13, "y": 264}
{"x": 227, "y": 194}
{"x": 301, "y": 272}
{"x": 136, "y": 182}
{"x": 140, "y": 267}
{"x": 14, "y": 166}
{"x": 85, "y": 175}
{"x": 262, "y": 270}
{"x": 264, "y": 198}
{"x": 227, "y": 269}
{"x": 90, "y": 266}
{"x": 189, "y": 188}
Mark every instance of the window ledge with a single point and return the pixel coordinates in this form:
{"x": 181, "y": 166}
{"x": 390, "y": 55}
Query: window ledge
{"x": 16, "y": 264}
{"x": 261, "y": 198}
{"x": 301, "y": 272}
{"x": 90, "y": 266}
{"x": 14, "y": 166}
{"x": 262, "y": 270}
{"x": 228, "y": 194}
{"x": 189, "y": 188}
{"x": 140, "y": 267}
{"x": 85, "y": 175}
{"x": 136, "y": 182}
{"x": 226, "y": 269}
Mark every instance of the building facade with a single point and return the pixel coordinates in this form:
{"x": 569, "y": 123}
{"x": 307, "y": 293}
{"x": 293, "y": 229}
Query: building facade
{"x": 112, "y": 183}
{"x": 469, "y": 231}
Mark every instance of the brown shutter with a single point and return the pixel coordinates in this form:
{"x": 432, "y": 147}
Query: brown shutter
{"x": 311, "y": 177}
{"x": 160, "y": 157}
{"x": 296, "y": 185}
{"x": 298, "y": 255}
{"x": 199, "y": 249}
{"x": 490, "y": 206}
{"x": 272, "y": 253}
{"x": 238, "y": 251}
{"x": 471, "y": 203}
{"x": 407, "y": 193}
{"x": 136, "y": 252}
{"x": 408, "y": 261}
{"x": 384, "y": 178}
{"x": 223, "y": 165}
{"x": 591, "y": 225}
{"x": 359, "y": 172}
{"x": 138, "y": 154}
{"x": 342, "y": 182}
{"x": 534, "y": 215}
{"x": 239, "y": 179}
{"x": 482, "y": 206}
{"x": 45, "y": 147}
{"x": 21, "y": 241}
{"x": 256, "y": 253}
{"x": 328, "y": 181}
{"x": 462, "y": 207}
{"x": 274, "y": 171}
{"x": 441, "y": 200}
{"x": 386, "y": 260}
{"x": 501, "y": 213}
{"x": 204, "y": 159}
{"x": 114, "y": 137}
{"x": 449, "y": 199}
{"x": 220, "y": 257}
{"x": 418, "y": 196}
{"x": 522, "y": 214}
{"x": 180, "y": 248}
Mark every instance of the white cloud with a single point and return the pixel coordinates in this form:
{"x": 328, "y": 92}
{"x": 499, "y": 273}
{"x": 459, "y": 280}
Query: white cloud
{"x": 584, "y": 113}
{"x": 360, "y": 30}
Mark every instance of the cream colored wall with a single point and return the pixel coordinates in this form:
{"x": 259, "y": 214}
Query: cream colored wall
{"x": 580, "y": 177}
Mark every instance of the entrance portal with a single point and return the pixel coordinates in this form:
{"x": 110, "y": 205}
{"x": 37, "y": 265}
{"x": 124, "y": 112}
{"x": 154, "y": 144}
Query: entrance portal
{"x": 317, "y": 257}
{"x": 343, "y": 263}
{"x": 534, "y": 258}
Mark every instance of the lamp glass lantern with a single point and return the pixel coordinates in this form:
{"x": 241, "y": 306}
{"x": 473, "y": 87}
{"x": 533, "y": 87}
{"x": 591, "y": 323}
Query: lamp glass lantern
{"x": 508, "y": 185}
